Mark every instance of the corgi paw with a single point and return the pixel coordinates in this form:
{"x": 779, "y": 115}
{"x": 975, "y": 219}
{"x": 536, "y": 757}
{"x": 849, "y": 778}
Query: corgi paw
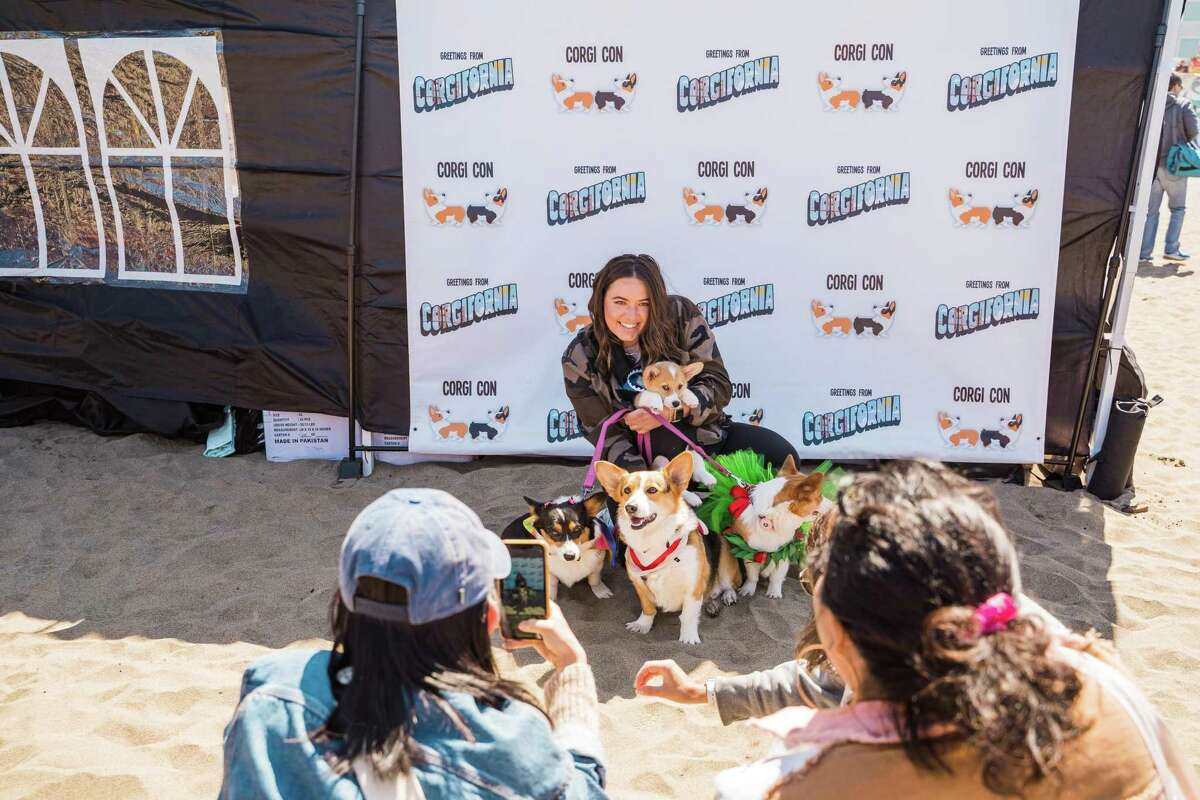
{"x": 689, "y": 637}
{"x": 640, "y": 625}
{"x": 728, "y": 596}
{"x": 601, "y": 590}
{"x": 692, "y": 499}
{"x": 659, "y": 462}
{"x": 748, "y": 589}
{"x": 775, "y": 592}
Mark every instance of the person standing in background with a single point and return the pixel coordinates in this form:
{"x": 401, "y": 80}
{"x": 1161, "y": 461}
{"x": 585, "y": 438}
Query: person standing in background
{"x": 1179, "y": 125}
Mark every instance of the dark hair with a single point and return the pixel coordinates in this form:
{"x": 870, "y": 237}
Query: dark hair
{"x": 392, "y": 662}
{"x": 658, "y": 340}
{"x": 907, "y": 562}
{"x": 1174, "y": 81}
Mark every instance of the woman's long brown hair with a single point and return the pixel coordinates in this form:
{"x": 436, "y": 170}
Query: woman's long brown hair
{"x": 658, "y": 341}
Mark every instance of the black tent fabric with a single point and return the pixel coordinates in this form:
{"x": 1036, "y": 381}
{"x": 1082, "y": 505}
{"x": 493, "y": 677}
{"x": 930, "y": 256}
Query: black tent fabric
{"x": 282, "y": 343}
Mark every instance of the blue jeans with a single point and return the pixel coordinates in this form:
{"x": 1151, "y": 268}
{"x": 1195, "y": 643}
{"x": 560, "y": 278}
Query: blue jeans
{"x": 1176, "y": 191}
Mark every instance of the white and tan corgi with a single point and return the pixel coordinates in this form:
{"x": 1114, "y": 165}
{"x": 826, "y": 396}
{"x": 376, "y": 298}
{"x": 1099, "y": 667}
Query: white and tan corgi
{"x": 439, "y": 212}
{"x": 569, "y": 317}
{"x": 568, "y": 97}
{"x": 751, "y": 211}
{"x": 445, "y": 428}
{"x": 880, "y": 321}
{"x": 965, "y": 212}
{"x": 576, "y": 547}
{"x": 888, "y": 97}
{"x": 667, "y": 393}
{"x": 1019, "y": 213}
{"x": 699, "y": 210}
{"x": 666, "y": 555}
{"x": 620, "y": 96}
{"x": 833, "y": 96}
{"x": 777, "y": 509}
{"x": 1005, "y": 435}
{"x": 491, "y": 210}
{"x": 827, "y": 321}
{"x": 954, "y": 434}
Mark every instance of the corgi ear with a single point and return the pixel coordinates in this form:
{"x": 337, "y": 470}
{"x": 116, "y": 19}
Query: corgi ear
{"x": 594, "y": 503}
{"x": 610, "y": 476}
{"x": 679, "y": 470}
{"x": 693, "y": 369}
{"x": 804, "y": 496}
{"x": 534, "y": 505}
{"x": 904, "y": 75}
{"x": 1020, "y": 418}
{"x": 1035, "y": 195}
{"x": 788, "y": 468}
{"x": 649, "y": 375}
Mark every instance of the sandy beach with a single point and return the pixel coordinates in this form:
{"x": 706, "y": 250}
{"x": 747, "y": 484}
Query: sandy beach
{"x": 138, "y": 578}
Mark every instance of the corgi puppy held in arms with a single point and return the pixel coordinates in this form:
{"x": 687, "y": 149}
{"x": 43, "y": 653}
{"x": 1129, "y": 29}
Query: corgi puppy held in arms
{"x": 667, "y": 394}
{"x": 666, "y": 554}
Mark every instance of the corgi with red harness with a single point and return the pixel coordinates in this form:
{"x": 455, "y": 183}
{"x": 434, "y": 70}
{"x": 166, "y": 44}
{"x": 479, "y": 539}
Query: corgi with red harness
{"x": 669, "y": 562}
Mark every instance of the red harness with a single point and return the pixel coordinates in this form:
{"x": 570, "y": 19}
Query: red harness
{"x": 671, "y": 548}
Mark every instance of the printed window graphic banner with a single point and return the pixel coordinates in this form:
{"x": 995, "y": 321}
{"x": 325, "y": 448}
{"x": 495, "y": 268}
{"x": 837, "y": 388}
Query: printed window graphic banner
{"x": 117, "y": 161}
{"x": 863, "y": 202}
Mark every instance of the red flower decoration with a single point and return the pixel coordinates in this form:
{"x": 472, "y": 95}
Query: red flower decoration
{"x": 741, "y": 499}
{"x": 760, "y": 557}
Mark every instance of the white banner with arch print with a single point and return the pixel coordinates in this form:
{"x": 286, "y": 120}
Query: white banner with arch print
{"x": 865, "y": 202}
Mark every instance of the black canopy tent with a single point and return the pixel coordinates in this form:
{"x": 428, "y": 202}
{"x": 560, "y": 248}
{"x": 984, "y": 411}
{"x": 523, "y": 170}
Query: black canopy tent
{"x": 302, "y": 151}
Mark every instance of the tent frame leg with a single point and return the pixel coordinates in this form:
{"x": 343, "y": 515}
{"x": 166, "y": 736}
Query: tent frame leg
{"x": 1119, "y": 278}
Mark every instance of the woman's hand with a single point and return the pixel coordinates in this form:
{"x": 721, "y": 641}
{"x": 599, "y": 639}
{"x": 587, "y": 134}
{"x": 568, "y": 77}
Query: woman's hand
{"x": 641, "y": 421}
{"x": 558, "y": 644}
{"x": 676, "y": 684}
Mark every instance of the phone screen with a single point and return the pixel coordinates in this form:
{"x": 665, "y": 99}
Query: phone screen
{"x": 523, "y": 592}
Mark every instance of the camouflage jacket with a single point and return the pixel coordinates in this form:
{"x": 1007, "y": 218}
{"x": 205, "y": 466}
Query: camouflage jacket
{"x": 595, "y": 399}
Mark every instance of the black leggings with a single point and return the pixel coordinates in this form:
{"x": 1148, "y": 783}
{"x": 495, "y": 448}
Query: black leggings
{"x": 740, "y": 436}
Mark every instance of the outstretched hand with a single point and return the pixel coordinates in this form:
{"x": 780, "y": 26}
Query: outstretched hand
{"x": 675, "y": 684}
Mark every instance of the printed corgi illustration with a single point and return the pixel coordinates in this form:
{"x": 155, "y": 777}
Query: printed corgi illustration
{"x": 751, "y": 212}
{"x": 443, "y": 427}
{"x": 492, "y": 209}
{"x": 439, "y": 212}
{"x": 492, "y": 426}
{"x": 700, "y": 211}
{"x": 754, "y": 417}
{"x": 620, "y": 96}
{"x": 954, "y": 434}
{"x": 827, "y": 321}
{"x": 1007, "y": 434}
{"x": 1019, "y": 213}
{"x": 879, "y": 322}
{"x": 568, "y": 97}
{"x": 570, "y": 319}
{"x": 965, "y": 213}
{"x": 833, "y": 97}
{"x": 887, "y": 98}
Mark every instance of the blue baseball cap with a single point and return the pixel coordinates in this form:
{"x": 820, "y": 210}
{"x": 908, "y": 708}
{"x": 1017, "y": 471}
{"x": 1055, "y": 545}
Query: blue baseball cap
{"x": 427, "y": 541}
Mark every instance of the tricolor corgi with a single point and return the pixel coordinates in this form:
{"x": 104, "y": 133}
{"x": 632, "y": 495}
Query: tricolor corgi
{"x": 827, "y": 322}
{"x": 492, "y": 426}
{"x": 880, "y": 321}
{"x": 576, "y": 547}
{"x": 669, "y": 562}
{"x": 699, "y": 210}
{"x": 964, "y": 212}
{"x": 568, "y": 97}
{"x": 621, "y": 95}
{"x": 888, "y": 97}
{"x": 439, "y": 212}
{"x": 1007, "y": 434}
{"x": 953, "y": 432}
{"x": 752, "y": 211}
{"x": 492, "y": 209}
{"x": 570, "y": 319}
{"x": 443, "y": 427}
{"x": 754, "y": 417}
{"x": 773, "y": 517}
{"x": 833, "y": 96}
{"x": 1021, "y": 211}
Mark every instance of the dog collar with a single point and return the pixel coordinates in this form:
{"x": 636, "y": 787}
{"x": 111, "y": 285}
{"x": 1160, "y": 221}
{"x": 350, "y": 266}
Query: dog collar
{"x": 671, "y": 548}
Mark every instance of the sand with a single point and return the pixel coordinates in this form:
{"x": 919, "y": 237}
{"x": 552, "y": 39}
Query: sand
{"x": 137, "y": 579}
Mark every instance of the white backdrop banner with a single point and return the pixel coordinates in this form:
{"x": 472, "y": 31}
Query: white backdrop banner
{"x": 864, "y": 201}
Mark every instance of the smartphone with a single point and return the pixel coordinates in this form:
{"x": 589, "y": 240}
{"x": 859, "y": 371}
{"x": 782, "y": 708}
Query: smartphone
{"x": 523, "y": 592}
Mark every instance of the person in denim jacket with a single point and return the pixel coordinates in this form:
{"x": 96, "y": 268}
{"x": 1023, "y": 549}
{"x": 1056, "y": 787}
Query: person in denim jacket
{"x": 408, "y": 702}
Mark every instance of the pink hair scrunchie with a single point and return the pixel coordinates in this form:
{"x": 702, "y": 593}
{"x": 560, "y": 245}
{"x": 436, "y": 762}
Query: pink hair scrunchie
{"x": 995, "y": 613}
